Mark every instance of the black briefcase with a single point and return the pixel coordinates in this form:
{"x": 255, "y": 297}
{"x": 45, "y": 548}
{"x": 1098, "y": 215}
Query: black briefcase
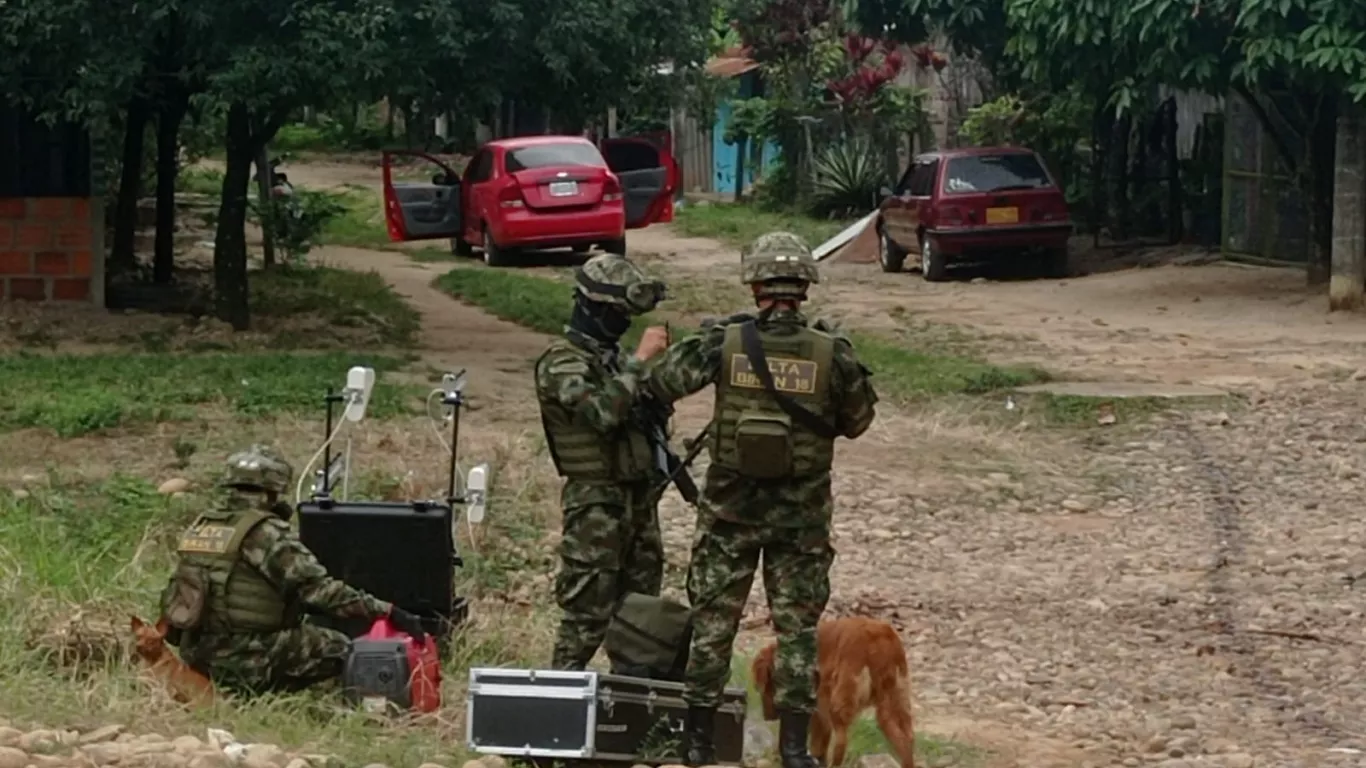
{"x": 401, "y": 552}
{"x": 589, "y": 716}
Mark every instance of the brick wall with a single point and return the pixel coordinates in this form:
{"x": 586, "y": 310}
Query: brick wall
{"x": 47, "y": 249}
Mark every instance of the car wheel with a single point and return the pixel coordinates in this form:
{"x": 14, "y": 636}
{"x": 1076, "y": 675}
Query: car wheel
{"x": 1057, "y": 262}
{"x": 461, "y": 248}
{"x": 494, "y": 256}
{"x": 890, "y": 256}
{"x": 932, "y": 266}
{"x": 617, "y": 246}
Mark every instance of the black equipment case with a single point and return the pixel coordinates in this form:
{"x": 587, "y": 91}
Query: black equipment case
{"x": 589, "y": 715}
{"x": 402, "y": 552}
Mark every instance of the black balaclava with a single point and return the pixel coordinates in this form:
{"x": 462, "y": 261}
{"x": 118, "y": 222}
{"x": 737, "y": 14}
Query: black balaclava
{"x": 603, "y": 322}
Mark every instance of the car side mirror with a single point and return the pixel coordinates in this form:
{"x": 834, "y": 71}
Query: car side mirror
{"x": 441, "y": 179}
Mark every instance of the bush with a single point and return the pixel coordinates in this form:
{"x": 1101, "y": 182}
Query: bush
{"x": 297, "y": 221}
{"x": 846, "y": 179}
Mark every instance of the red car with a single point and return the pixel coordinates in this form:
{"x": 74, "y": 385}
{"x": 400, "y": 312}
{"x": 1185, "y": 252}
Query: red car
{"x": 536, "y": 192}
{"x": 967, "y": 204}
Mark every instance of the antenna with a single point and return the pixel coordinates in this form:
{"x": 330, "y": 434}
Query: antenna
{"x": 359, "y": 381}
{"x": 453, "y": 396}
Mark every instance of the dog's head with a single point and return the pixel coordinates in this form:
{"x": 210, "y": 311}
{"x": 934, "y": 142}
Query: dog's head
{"x": 761, "y": 670}
{"x": 149, "y": 639}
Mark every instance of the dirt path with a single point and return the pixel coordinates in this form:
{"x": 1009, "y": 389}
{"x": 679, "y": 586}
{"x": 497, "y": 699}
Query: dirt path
{"x": 1128, "y": 596}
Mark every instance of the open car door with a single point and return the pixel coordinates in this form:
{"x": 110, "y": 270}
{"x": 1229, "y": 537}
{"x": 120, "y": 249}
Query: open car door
{"x": 419, "y": 210}
{"x": 649, "y": 176}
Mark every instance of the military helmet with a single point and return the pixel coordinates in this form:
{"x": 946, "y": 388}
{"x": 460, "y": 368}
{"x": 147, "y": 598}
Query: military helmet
{"x": 781, "y": 261}
{"x": 613, "y": 279}
{"x": 258, "y": 468}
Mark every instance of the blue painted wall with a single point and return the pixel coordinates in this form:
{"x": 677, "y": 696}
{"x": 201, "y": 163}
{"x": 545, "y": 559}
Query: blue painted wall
{"x": 724, "y": 156}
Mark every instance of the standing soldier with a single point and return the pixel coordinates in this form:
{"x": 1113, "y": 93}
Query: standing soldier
{"x": 785, "y": 389}
{"x": 236, "y": 600}
{"x": 588, "y": 392}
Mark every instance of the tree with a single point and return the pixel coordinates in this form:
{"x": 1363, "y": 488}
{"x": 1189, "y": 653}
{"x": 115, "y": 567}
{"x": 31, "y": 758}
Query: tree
{"x": 1291, "y": 60}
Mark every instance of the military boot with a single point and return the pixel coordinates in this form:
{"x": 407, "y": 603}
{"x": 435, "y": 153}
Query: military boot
{"x": 699, "y": 736}
{"x": 792, "y": 740}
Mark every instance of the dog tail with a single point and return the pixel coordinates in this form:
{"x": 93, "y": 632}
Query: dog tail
{"x": 892, "y": 695}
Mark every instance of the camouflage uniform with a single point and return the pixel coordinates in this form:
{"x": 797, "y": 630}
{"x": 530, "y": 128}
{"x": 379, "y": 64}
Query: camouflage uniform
{"x": 236, "y": 600}
{"x": 768, "y": 484}
{"x": 587, "y": 389}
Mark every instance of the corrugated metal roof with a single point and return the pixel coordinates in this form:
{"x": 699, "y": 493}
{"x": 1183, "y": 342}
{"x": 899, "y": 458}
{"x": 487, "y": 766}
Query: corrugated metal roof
{"x": 729, "y": 66}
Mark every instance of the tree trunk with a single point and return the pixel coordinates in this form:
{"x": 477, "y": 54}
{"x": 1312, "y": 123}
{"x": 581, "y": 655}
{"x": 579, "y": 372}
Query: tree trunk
{"x": 122, "y": 256}
{"x": 265, "y": 183}
{"x": 1121, "y": 214}
{"x": 1347, "y": 288}
{"x": 172, "y": 114}
{"x": 1176, "y": 208}
{"x": 1320, "y": 164}
{"x": 230, "y": 241}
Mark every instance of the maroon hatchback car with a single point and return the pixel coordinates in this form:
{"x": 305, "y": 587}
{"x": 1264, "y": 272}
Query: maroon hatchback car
{"x": 974, "y": 204}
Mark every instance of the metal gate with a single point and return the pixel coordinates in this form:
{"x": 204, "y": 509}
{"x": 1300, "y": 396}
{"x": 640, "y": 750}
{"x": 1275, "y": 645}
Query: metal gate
{"x": 1264, "y": 212}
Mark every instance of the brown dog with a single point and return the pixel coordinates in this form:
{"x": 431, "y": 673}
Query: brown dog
{"x": 185, "y": 684}
{"x": 862, "y": 665}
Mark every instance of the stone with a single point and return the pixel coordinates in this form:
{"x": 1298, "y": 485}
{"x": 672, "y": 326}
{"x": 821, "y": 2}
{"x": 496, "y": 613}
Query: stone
{"x": 265, "y": 755}
{"x": 1236, "y": 760}
{"x": 174, "y": 485}
{"x": 10, "y": 736}
{"x": 164, "y": 760}
{"x": 38, "y": 741}
{"x": 187, "y": 745}
{"x": 213, "y": 759}
{"x": 438, "y": 765}
{"x": 1183, "y": 723}
{"x": 153, "y": 747}
{"x": 1074, "y": 505}
{"x": 103, "y": 752}
{"x": 299, "y": 762}
{"x": 13, "y": 758}
{"x": 103, "y": 733}
{"x": 493, "y": 761}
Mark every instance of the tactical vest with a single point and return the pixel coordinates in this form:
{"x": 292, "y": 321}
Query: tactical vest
{"x": 751, "y": 434}
{"x": 231, "y": 595}
{"x": 580, "y": 453}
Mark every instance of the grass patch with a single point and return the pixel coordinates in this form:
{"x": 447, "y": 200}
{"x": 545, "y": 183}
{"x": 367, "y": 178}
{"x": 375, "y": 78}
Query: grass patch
{"x": 78, "y": 394}
{"x": 543, "y": 304}
{"x": 361, "y": 224}
{"x": 739, "y": 224}
{"x": 200, "y": 181}
{"x": 432, "y": 255}
{"x": 340, "y": 297}
{"x": 1086, "y": 411}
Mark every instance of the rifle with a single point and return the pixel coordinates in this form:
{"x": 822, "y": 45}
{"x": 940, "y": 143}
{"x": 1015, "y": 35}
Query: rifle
{"x": 653, "y": 416}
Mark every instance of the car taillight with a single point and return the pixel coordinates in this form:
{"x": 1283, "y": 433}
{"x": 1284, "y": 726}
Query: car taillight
{"x": 951, "y": 214}
{"x": 611, "y": 191}
{"x": 510, "y": 197}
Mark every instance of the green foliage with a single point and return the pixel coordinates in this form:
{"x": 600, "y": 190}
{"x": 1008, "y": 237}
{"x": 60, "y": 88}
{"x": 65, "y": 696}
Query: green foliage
{"x": 361, "y": 223}
{"x": 77, "y": 394}
{"x": 846, "y": 179}
{"x": 343, "y": 298}
{"x": 739, "y": 224}
{"x": 298, "y": 221}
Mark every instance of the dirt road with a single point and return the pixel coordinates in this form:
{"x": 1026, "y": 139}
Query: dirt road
{"x": 1168, "y": 593}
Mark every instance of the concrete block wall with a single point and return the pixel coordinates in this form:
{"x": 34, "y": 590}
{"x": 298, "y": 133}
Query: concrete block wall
{"x": 48, "y": 250}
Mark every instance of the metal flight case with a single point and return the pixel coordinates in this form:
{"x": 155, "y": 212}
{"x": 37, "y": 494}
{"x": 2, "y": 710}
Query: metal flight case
{"x": 546, "y": 715}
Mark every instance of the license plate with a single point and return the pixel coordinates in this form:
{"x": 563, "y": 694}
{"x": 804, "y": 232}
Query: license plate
{"x": 564, "y": 188}
{"x": 374, "y": 705}
{"x": 1003, "y": 215}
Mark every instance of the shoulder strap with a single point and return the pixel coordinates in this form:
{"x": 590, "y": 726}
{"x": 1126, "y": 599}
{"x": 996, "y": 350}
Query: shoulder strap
{"x": 754, "y": 351}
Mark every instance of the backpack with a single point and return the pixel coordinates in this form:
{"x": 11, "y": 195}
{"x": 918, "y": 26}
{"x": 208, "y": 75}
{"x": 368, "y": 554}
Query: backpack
{"x": 649, "y": 638}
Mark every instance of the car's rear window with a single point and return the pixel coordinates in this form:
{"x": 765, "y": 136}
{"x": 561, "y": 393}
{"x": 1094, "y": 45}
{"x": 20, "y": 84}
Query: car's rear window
{"x": 543, "y": 155}
{"x": 994, "y": 173}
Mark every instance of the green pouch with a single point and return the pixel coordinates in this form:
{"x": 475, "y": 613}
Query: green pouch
{"x": 763, "y": 445}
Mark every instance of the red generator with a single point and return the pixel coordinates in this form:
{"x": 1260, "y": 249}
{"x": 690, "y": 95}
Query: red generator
{"x": 388, "y": 670}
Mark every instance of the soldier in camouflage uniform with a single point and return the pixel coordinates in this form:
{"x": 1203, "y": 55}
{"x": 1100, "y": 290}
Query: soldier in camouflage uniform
{"x": 236, "y": 601}
{"x": 587, "y": 389}
{"x": 786, "y": 388}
